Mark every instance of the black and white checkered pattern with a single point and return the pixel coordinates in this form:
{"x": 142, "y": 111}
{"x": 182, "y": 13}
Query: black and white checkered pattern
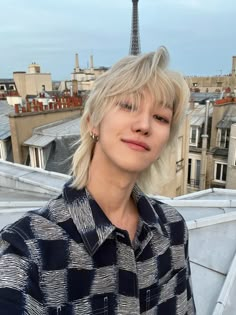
{"x": 68, "y": 258}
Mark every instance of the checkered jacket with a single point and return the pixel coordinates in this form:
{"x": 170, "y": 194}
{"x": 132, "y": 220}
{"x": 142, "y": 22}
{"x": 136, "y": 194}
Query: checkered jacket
{"x": 68, "y": 259}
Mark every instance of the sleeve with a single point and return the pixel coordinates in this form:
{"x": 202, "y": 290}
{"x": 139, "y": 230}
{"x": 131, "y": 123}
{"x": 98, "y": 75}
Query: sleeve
{"x": 19, "y": 289}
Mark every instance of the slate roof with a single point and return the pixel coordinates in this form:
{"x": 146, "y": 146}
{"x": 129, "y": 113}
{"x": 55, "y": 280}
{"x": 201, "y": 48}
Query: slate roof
{"x": 5, "y": 109}
{"x": 229, "y": 118}
{"x": 60, "y": 138}
{"x": 197, "y": 114}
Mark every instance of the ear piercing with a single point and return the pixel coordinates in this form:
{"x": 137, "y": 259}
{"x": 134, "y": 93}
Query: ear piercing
{"x": 94, "y": 136}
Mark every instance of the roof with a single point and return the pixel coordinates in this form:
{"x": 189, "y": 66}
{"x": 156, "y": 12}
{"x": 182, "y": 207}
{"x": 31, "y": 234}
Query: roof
{"x": 39, "y": 141}
{"x": 197, "y": 120}
{"x": 210, "y": 216}
{"x": 202, "y": 97}
{"x": 44, "y": 135}
{"x": 5, "y": 130}
{"x": 7, "y": 81}
{"x": 198, "y": 113}
{"x": 24, "y": 188}
{"x": 66, "y": 127}
{"x": 211, "y": 220}
{"x": 229, "y": 118}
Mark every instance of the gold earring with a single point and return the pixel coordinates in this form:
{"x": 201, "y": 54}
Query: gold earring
{"x": 94, "y": 136}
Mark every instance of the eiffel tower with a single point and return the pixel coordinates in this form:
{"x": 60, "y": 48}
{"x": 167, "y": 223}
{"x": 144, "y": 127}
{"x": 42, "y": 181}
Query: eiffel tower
{"x": 134, "y": 40}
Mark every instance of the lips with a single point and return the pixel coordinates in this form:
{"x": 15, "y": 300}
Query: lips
{"x": 140, "y": 144}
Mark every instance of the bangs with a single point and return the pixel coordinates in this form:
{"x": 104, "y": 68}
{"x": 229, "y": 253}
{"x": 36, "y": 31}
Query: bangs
{"x": 162, "y": 91}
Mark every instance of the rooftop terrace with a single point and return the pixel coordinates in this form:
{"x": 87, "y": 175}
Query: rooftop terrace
{"x": 210, "y": 216}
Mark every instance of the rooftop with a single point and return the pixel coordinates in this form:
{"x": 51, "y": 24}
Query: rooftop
{"x": 5, "y": 109}
{"x": 210, "y": 216}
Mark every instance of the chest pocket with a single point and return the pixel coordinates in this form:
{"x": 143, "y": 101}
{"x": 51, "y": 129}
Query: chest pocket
{"x": 101, "y": 307}
{"x": 97, "y": 305}
{"x": 163, "y": 297}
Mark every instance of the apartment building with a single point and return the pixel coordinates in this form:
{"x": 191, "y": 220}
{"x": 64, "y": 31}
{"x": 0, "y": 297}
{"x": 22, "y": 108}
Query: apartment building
{"x": 219, "y": 154}
{"x": 216, "y": 83}
{"x": 31, "y": 82}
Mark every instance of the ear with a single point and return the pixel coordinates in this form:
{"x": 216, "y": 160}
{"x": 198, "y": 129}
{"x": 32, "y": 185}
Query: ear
{"x": 91, "y": 128}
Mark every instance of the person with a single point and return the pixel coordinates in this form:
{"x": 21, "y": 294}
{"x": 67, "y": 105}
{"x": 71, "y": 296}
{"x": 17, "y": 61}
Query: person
{"x": 104, "y": 246}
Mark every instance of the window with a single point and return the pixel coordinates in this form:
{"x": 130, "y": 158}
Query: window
{"x": 222, "y": 138}
{"x": 219, "y": 84}
{"x": 195, "y": 84}
{"x": 198, "y": 171}
{"x": 36, "y": 157}
{"x": 194, "y": 168}
{"x": 3, "y": 153}
{"x": 3, "y": 87}
{"x": 12, "y": 87}
{"x": 189, "y": 170}
{"x": 220, "y": 171}
{"x": 194, "y": 135}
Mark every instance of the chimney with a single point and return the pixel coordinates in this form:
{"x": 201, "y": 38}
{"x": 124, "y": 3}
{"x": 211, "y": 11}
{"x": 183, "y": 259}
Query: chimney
{"x": 74, "y": 87}
{"x": 234, "y": 66}
{"x": 91, "y": 62}
{"x": 76, "y": 63}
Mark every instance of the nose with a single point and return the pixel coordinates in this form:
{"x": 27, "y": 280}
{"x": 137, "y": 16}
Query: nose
{"x": 142, "y": 124}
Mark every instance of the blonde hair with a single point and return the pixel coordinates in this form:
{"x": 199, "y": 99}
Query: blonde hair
{"x": 130, "y": 77}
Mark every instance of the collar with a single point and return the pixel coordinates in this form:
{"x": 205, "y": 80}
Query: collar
{"x": 93, "y": 225}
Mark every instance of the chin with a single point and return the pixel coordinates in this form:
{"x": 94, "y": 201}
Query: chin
{"x": 135, "y": 169}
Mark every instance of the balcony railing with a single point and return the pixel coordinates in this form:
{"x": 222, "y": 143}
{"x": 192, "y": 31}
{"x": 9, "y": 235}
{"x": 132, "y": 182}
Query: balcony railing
{"x": 194, "y": 183}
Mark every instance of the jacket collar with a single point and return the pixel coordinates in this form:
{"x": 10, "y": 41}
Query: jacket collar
{"x": 93, "y": 225}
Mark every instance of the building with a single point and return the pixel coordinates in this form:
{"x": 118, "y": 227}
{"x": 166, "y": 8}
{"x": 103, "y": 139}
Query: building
{"x": 218, "y": 155}
{"x": 7, "y": 88}
{"x": 25, "y": 119}
{"x": 5, "y": 132}
{"x": 81, "y": 79}
{"x": 197, "y": 114}
{"x": 216, "y": 83}
{"x": 52, "y": 146}
{"x": 31, "y": 82}
{"x": 223, "y": 117}
{"x": 231, "y": 165}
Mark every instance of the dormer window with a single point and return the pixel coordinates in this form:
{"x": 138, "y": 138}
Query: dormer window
{"x": 222, "y": 138}
{"x": 3, "y": 151}
{"x": 37, "y": 157}
{"x": 220, "y": 171}
{"x": 194, "y": 136}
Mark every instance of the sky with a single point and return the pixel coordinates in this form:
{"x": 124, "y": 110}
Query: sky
{"x": 200, "y": 35}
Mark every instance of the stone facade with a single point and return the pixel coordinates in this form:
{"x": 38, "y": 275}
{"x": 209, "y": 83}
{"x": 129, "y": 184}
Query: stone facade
{"x": 231, "y": 168}
{"x": 31, "y": 83}
{"x": 217, "y": 83}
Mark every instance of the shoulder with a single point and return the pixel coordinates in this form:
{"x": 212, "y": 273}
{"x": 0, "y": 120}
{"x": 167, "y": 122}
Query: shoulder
{"x": 41, "y": 224}
{"x": 173, "y": 221}
{"x": 168, "y": 214}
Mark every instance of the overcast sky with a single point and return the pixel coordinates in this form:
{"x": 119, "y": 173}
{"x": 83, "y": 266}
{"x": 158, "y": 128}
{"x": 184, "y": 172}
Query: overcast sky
{"x": 199, "y": 34}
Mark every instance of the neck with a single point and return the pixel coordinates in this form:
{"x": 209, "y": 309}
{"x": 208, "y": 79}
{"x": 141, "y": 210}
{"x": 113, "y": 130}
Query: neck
{"x": 112, "y": 188}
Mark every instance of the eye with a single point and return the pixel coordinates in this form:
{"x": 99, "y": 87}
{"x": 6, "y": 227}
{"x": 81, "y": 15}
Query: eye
{"x": 126, "y": 106}
{"x": 161, "y": 119}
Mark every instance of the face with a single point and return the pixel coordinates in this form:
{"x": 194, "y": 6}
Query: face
{"x": 132, "y": 139}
